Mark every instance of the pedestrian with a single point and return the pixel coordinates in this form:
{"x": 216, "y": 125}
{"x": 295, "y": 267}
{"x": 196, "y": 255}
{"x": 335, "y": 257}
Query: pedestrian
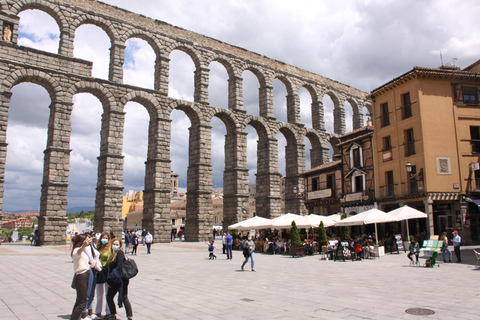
{"x": 81, "y": 268}
{"x": 148, "y": 241}
{"x": 134, "y": 243}
{"x": 457, "y": 242}
{"x": 229, "y": 245}
{"x": 94, "y": 259}
{"x": 445, "y": 249}
{"x": 180, "y": 233}
{"x": 211, "y": 250}
{"x": 127, "y": 241}
{"x": 248, "y": 252}
{"x": 173, "y": 234}
{"x": 72, "y": 241}
{"x": 224, "y": 243}
{"x": 35, "y": 238}
{"x": 112, "y": 235}
{"x": 144, "y": 233}
{"x": 413, "y": 248}
{"x": 117, "y": 258}
{"x": 103, "y": 246}
{"x": 214, "y": 233}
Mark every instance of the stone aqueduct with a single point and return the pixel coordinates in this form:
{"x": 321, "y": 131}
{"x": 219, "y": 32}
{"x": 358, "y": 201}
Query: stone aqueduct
{"x": 63, "y": 76}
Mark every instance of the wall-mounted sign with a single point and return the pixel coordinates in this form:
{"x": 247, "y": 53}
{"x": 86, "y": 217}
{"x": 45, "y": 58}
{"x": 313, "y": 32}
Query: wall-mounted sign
{"x": 475, "y": 166}
{"x": 456, "y": 186}
{"x": 354, "y": 196}
{"x": 387, "y": 155}
{"x": 319, "y": 194}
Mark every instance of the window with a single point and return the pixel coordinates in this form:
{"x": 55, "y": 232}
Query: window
{"x": 357, "y": 183}
{"x": 477, "y": 180}
{"x": 315, "y": 184}
{"x": 385, "y": 118}
{"x": 356, "y": 156}
{"x": 409, "y": 143}
{"x": 331, "y": 182}
{"x": 406, "y": 106}
{"x": 387, "y": 143}
{"x": 173, "y": 222}
{"x": 475, "y": 139}
{"x": 390, "y": 184}
{"x": 470, "y": 95}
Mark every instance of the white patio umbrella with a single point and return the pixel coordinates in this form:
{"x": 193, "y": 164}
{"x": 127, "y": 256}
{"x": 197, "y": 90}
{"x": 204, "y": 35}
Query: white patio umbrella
{"x": 248, "y": 224}
{"x": 335, "y": 217}
{"x": 367, "y": 217}
{"x": 406, "y": 213}
{"x": 313, "y": 221}
{"x": 282, "y": 222}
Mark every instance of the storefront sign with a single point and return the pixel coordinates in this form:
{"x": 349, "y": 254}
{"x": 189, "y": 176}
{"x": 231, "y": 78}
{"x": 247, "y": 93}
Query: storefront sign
{"x": 319, "y": 194}
{"x": 354, "y": 196}
{"x": 357, "y": 209}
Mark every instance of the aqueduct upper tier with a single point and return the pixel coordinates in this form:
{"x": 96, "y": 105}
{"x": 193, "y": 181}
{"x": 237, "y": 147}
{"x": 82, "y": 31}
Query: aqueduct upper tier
{"x": 63, "y": 76}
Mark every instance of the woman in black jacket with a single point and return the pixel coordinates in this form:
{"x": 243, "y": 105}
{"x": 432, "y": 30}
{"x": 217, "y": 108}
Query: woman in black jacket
{"x": 117, "y": 258}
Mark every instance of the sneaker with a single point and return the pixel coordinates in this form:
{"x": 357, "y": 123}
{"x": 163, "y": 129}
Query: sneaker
{"x": 95, "y": 317}
{"x": 241, "y": 267}
{"x": 253, "y": 270}
{"x": 87, "y": 318}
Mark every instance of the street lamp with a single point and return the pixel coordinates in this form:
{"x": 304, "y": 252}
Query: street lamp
{"x": 409, "y": 167}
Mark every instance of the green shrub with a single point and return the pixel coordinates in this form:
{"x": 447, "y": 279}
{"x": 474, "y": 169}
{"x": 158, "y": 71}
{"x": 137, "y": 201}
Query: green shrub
{"x": 322, "y": 234}
{"x": 294, "y": 235}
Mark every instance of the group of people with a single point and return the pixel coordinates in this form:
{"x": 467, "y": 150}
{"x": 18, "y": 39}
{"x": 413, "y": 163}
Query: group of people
{"x": 94, "y": 259}
{"x": 227, "y": 244}
{"x": 414, "y": 248}
{"x": 180, "y": 232}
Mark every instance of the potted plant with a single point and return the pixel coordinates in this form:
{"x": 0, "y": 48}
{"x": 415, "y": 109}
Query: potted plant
{"x": 344, "y": 232}
{"x": 381, "y": 249}
{"x": 296, "y": 243}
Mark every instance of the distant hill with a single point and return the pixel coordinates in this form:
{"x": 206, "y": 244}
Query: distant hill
{"x": 78, "y": 209}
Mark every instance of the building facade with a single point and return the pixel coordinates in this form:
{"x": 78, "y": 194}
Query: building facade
{"x": 426, "y": 132}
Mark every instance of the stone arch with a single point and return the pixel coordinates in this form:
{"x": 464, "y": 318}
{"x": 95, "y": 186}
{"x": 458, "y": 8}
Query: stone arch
{"x": 338, "y": 111}
{"x": 190, "y": 109}
{"x": 192, "y": 52}
{"x": 105, "y": 96}
{"x": 293, "y": 100}
{"x": 226, "y": 63}
{"x": 106, "y": 25}
{"x": 147, "y": 100}
{"x": 54, "y": 11}
{"x": 53, "y": 87}
{"x": 317, "y": 153}
{"x": 144, "y": 35}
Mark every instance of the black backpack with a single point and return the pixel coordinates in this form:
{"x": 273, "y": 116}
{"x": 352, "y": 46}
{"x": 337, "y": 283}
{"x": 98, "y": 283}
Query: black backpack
{"x": 246, "y": 252}
{"x": 210, "y": 248}
{"x": 129, "y": 269}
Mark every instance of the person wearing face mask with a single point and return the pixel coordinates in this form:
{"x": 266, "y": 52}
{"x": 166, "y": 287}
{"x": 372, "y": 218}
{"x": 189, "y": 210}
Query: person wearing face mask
{"x": 103, "y": 246}
{"x": 94, "y": 259}
{"x": 248, "y": 254}
{"x": 116, "y": 261}
{"x": 81, "y": 267}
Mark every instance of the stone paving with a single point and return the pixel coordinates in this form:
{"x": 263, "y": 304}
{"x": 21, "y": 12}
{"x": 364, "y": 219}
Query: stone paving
{"x": 177, "y": 281}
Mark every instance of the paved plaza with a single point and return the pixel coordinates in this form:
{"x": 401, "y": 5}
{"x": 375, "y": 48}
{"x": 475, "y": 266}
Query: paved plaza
{"x": 177, "y": 281}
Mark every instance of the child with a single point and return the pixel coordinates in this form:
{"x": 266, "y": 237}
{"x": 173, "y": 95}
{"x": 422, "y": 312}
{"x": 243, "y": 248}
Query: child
{"x": 211, "y": 248}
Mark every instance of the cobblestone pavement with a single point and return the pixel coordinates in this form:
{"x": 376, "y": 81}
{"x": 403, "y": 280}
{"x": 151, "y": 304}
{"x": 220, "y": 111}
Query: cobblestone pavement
{"x": 177, "y": 281}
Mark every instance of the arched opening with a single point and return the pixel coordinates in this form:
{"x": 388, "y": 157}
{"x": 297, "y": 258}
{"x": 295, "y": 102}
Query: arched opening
{"x": 218, "y": 85}
{"x": 135, "y": 146}
{"x": 93, "y": 44}
{"x": 328, "y": 107}
{"x": 218, "y": 168}
{"x": 179, "y": 147}
{"x": 37, "y": 29}
{"x": 348, "y": 116}
{"x": 85, "y": 144}
{"x": 308, "y": 153}
{"x": 252, "y": 142}
{"x": 139, "y": 65}
{"x": 181, "y": 81}
{"x": 305, "y": 107}
{"x": 251, "y": 96}
{"x": 279, "y": 100}
{"x": 26, "y": 137}
{"x": 367, "y": 115}
{"x": 330, "y": 152}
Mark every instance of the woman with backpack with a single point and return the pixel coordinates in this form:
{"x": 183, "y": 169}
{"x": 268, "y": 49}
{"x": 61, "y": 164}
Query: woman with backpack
{"x": 248, "y": 250}
{"x": 118, "y": 285}
{"x": 103, "y": 246}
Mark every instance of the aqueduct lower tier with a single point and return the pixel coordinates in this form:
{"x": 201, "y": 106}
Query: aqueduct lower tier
{"x": 64, "y": 76}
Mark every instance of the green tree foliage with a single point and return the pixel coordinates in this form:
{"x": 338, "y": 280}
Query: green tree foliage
{"x": 322, "y": 234}
{"x": 294, "y": 235}
{"x": 344, "y": 232}
{"x": 82, "y": 214}
{"x": 25, "y": 231}
{"x": 6, "y": 233}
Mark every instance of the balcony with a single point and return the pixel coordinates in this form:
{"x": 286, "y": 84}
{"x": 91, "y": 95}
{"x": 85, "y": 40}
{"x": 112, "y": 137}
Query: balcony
{"x": 406, "y": 111}
{"x": 389, "y": 190}
{"x": 475, "y": 145}
{"x": 385, "y": 120}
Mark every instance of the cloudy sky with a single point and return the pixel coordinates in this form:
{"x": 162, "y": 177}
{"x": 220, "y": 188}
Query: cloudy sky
{"x": 360, "y": 43}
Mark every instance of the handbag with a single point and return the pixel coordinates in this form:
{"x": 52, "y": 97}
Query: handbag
{"x": 129, "y": 269}
{"x": 102, "y": 275}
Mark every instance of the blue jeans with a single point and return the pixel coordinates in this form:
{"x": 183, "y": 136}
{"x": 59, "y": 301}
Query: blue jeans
{"x": 229, "y": 251}
{"x": 246, "y": 260}
{"x": 445, "y": 249}
{"x": 92, "y": 283}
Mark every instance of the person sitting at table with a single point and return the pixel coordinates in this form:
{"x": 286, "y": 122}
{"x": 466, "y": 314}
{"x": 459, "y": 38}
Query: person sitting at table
{"x": 280, "y": 246}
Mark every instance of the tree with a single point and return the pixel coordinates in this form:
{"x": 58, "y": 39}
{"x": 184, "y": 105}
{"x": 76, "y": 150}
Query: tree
{"x": 322, "y": 234}
{"x": 6, "y": 233}
{"x": 294, "y": 235}
{"x": 24, "y": 231}
{"x": 344, "y": 232}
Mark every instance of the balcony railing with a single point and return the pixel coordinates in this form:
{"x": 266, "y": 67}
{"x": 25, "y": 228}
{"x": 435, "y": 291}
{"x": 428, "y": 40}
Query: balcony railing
{"x": 406, "y": 111}
{"x": 475, "y": 145}
{"x": 385, "y": 120}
